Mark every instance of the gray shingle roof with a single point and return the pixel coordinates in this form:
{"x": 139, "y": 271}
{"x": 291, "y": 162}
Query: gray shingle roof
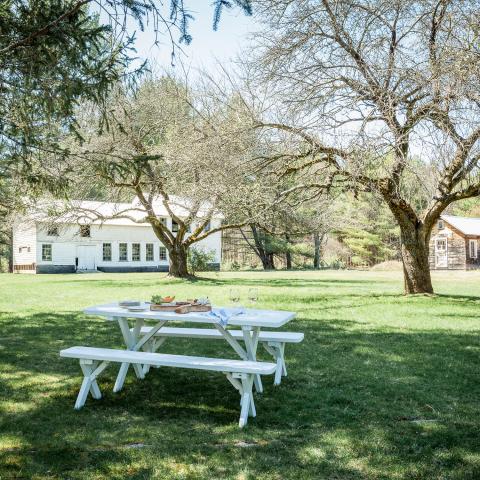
{"x": 468, "y": 226}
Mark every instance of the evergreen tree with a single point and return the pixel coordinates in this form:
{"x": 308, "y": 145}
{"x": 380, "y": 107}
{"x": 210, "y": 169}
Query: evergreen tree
{"x": 56, "y": 53}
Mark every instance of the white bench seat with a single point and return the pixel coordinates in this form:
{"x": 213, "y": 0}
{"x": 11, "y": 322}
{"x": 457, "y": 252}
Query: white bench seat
{"x": 273, "y": 342}
{"x": 264, "y": 336}
{"x": 240, "y": 373}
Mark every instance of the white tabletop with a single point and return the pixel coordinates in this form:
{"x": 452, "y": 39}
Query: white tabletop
{"x": 251, "y": 317}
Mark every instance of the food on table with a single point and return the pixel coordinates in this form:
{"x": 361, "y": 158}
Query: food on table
{"x": 158, "y": 299}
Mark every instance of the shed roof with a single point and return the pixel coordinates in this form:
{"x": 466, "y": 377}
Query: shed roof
{"x": 110, "y": 213}
{"x": 468, "y": 226}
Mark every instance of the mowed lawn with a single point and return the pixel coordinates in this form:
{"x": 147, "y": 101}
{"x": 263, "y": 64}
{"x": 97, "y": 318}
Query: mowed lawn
{"x": 383, "y": 386}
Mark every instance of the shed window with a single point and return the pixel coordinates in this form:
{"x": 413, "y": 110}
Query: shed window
{"x": 149, "y": 252}
{"x": 85, "y": 230}
{"x": 135, "y": 252}
{"x": 163, "y": 253}
{"x": 441, "y": 225}
{"x": 52, "y": 231}
{"x": 107, "y": 252}
{"x": 123, "y": 252}
{"x": 472, "y": 247}
{"x": 47, "y": 252}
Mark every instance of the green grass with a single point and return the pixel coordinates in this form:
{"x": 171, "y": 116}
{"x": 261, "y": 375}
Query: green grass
{"x": 383, "y": 387}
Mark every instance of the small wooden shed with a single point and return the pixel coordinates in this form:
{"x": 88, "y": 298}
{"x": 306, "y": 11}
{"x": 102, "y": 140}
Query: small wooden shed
{"x": 454, "y": 243}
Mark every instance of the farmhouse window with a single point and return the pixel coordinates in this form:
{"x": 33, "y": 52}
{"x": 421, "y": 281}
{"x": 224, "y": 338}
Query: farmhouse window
{"x": 207, "y": 227}
{"x": 85, "y": 230}
{"x": 163, "y": 253}
{"x": 174, "y": 227}
{"x": 123, "y": 252}
{"x": 441, "y": 225}
{"x": 472, "y": 244}
{"x": 107, "y": 252}
{"x": 149, "y": 252}
{"x": 164, "y": 221}
{"x": 135, "y": 252}
{"x": 46, "y": 252}
{"x": 52, "y": 231}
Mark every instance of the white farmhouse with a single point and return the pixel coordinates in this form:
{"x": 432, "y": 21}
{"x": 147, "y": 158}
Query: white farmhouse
{"x": 73, "y": 243}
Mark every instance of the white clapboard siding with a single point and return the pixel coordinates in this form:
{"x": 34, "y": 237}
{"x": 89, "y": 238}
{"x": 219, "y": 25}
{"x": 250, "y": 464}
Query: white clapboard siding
{"x": 24, "y": 239}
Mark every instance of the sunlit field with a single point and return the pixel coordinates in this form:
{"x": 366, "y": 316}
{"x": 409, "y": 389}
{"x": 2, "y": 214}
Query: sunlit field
{"x": 383, "y": 386}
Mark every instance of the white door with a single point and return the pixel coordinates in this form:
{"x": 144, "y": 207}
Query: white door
{"x": 86, "y": 257}
{"x": 441, "y": 258}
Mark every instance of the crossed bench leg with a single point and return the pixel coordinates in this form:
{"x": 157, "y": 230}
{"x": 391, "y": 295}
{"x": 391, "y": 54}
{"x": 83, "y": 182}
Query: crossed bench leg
{"x": 243, "y": 382}
{"x": 277, "y": 350}
{"x": 91, "y": 370}
{"x": 93, "y": 362}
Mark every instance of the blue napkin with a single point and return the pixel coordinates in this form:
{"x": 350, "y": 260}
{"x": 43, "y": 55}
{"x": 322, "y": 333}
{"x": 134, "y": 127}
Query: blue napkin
{"x": 223, "y": 315}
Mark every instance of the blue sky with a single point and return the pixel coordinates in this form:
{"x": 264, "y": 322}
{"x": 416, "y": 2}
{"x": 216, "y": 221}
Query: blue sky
{"x": 207, "y": 45}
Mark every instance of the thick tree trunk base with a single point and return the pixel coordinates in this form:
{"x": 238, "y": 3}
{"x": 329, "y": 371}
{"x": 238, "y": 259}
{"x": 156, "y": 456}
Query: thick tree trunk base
{"x": 187, "y": 276}
{"x": 416, "y": 268}
{"x": 178, "y": 263}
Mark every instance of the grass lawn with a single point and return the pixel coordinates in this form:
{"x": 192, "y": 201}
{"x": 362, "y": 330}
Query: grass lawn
{"x": 383, "y": 387}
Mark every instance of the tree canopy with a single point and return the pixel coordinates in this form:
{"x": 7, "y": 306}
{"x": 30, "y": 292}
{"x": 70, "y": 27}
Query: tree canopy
{"x": 361, "y": 90}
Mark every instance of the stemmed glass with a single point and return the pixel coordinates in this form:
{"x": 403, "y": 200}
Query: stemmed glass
{"x": 253, "y": 295}
{"x": 234, "y": 296}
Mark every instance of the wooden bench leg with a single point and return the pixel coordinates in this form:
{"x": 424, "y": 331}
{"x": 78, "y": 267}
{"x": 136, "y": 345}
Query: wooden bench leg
{"x": 243, "y": 382}
{"x": 247, "y": 403}
{"x": 156, "y": 343}
{"x": 90, "y": 371}
{"x": 122, "y": 373}
{"x": 277, "y": 350}
{"x": 130, "y": 340}
{"x": 251, "y": 343}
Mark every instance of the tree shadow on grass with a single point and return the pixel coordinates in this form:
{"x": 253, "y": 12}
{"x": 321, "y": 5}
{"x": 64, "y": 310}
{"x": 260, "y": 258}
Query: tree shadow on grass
{"x": 235, "y": 281}
{"x": 468, "y": 298}
{"x": 355, "y": 405}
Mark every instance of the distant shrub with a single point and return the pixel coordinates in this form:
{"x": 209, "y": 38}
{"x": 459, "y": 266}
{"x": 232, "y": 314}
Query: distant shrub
{"x": 200, "y": 260}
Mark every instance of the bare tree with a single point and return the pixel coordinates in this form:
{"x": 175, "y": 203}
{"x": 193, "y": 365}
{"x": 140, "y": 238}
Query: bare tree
{"x": 362, "y": 88}
{"x": 172, "y": 148}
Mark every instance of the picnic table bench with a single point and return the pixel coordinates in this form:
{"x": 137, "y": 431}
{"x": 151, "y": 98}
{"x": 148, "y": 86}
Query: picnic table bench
{"x": 143, "y": 341}
{"x": 273, "y": 342}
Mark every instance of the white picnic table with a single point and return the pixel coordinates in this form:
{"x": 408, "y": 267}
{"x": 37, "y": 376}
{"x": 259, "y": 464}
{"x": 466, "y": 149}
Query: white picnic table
{"x": 250, "y": 322}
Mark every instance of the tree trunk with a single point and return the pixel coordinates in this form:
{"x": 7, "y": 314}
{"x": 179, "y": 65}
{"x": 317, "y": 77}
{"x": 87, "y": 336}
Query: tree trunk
{"x": 10, "y": 252}
{"x": 268, "y": 261}
{"x": 414, "y": 247}
{"x": 178, "y": 261}
{"x": 317, "y": 249}
{"x": 288, "y": 254}
{"x": 260, "y": 249}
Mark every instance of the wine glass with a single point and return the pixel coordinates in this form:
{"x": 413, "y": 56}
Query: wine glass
{"x": 234, "y": 296}
{"x": 253, "y": 295}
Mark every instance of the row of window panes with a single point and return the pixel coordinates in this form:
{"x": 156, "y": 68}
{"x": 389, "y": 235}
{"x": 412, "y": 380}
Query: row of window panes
{"x": 46, "y": 252}
{"x": 136, "y": 256}
{"x": 122, "y": 252}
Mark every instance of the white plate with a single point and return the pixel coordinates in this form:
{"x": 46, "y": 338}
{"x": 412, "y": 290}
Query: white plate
{"x": 137, "y": 309}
